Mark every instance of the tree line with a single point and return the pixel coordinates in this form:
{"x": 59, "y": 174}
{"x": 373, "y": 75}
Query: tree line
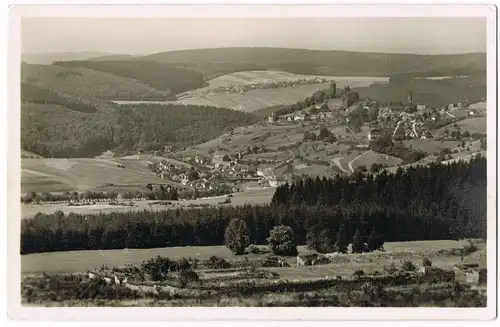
{"x": 422, "y": 203}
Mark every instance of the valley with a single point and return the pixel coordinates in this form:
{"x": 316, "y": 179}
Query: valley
{"x": 254, "y": 177}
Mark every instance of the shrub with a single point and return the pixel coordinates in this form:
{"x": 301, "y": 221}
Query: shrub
{"x": 237, "y": 236}
{"x": 408, "y": 265}
{"x": 373, "y": 291}
{"x": 426, "y": 262}
{"x": 282, "y": 240}
{"x": 358, "y": 273}
{"x": 469, "y": 248}
{"x": 215, "y": 262}
{"x": 188, "y": 276}
{"x": 157, "y": 268}
{"x": 391, "y": 269}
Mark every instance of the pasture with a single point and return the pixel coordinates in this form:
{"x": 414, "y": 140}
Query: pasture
{"x": 370, "y": 157}
{"x": 473, "y": 125}
{"x": 58, "y": 175}
{"x": 344, "y": 264}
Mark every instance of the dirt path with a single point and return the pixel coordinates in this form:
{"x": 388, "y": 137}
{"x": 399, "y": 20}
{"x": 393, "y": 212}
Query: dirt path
{"x": 336, "y": 161}
{"x": 353, "y": 160}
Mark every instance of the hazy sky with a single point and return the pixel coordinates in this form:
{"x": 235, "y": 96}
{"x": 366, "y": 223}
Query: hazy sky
{"x": 139, "y": 35}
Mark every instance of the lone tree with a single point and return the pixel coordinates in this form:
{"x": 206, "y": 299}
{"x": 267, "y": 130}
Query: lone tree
{"x": 237, "y": 236}
{"x": 282, "y": 240}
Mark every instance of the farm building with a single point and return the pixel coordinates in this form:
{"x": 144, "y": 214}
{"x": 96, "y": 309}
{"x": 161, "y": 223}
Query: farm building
{"x": 473, "y": 112}
{"x": 476, "y": 277}
{"x": 311, "y": 259}
{"x": 421, "y": 107}
{"x": 374, "y": 134}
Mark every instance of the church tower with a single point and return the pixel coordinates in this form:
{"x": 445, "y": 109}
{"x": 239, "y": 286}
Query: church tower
{"x": 410, "y": 98}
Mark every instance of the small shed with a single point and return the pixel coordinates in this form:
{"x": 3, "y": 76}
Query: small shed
{"x": 476, "y": 276}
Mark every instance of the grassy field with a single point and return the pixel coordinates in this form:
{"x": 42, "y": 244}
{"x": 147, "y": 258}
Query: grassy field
{"x": 346, "y": 264}
{"x": 473, "y": 125}
{"x": 251, "y": 196}
{"x": 57, "y": 175}
{"x": 371, "y": 157}
{"x": 257, "y": 99}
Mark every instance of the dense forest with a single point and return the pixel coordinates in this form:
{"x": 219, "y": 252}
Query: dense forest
{"x": 158, "y": 75}
{"x": 421, "y": 203}
{"x": 54, "y": 131}
{"x": 34, "y": 94}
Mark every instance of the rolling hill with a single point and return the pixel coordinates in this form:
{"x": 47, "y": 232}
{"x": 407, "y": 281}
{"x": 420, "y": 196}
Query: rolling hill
{"x": 48, "y": 58}
{"x": 158, "y": 75}
{"x": 214, "y": 62}
{"x": 89, "y": 85}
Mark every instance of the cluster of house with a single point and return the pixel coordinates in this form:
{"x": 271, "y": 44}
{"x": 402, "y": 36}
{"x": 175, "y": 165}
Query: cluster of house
{"x": 263, "y": 85}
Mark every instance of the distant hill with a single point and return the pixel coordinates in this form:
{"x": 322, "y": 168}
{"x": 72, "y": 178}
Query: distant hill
{"x": 89, "y": 85}
{"x": 48, "y": 58}
{"x": 161, "y": 76}
{"x": 316, "y": 62}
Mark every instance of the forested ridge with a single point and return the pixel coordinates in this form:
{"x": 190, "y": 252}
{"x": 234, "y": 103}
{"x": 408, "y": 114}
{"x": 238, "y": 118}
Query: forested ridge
{"x": 161, "y": 76}
{"x": 54, "y": 131}
{"x": 421, "y": 203}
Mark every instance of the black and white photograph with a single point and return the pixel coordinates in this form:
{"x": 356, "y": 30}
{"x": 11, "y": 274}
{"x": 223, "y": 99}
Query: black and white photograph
{"x": 282, "y": 156}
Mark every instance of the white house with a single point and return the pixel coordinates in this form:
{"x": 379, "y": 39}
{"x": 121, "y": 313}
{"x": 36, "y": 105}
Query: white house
{"x": 421, "y": 107}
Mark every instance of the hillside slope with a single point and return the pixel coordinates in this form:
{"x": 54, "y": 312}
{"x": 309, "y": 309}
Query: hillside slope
{"x": 158, "y": 75}
{"x": 88, "y": 84}
{"x": 52, "y": 130}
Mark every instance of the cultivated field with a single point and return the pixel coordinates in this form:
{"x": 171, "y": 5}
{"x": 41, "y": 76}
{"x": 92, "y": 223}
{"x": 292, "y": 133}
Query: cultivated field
{"x": 58, "y": 175}
{"x": 269, "y": 76}
{"x": 262, "y": 98}
{"x": 253, "y": 196}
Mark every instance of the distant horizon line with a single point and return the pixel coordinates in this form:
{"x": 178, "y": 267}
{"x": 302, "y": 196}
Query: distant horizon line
{"x": 248, "y": 47}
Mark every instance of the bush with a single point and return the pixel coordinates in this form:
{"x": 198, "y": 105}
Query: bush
{"x": 215, "y": 262}
{"x": 426, "y": 262}
{"x": 373, "y": 291}
{"x": 391, "y": 269}
{"x": 188, "y": 276}
{"x": 358, "y": 273}
{"x": 237, "y": 236}
{"x": 408, "y": 265}
{"x": 157, "y": 268}
{"x": 469, "y": 248}
{"x": 282, "y": 240}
